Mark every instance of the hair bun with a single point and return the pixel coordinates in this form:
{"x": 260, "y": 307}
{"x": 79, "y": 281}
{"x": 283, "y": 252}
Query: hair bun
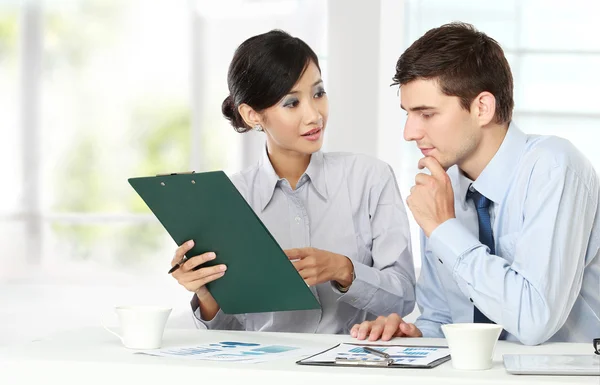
{"x": 227, "y": 108}
{"x": 231, "y": 113}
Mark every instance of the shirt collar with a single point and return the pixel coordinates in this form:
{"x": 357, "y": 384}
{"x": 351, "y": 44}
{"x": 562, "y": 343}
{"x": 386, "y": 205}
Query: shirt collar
{"x": 269, "y": 178}
{"x": 495, "y": 177}
{"x": 316, "y": 173}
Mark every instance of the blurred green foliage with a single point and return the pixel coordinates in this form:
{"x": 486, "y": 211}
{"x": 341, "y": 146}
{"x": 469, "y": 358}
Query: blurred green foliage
{"x": 8, "y": 34}
{"x": 87, "y": 180}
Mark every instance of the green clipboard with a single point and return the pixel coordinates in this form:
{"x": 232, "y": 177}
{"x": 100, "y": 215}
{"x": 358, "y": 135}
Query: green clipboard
{"x": 207, "y": 208}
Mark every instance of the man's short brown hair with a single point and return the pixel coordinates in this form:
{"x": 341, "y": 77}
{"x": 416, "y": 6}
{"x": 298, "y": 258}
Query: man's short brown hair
{"x": 465, "y": 62}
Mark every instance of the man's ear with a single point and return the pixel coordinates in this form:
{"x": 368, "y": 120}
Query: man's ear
{"x": 484, "y": 105}
{"x": 250, "y": 116}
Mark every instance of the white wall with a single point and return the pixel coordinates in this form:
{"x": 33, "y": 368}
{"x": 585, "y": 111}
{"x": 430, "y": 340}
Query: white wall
{"x": 353, "y": 76}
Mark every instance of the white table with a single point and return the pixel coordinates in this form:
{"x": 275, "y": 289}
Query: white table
{"x": 93, "y": 356}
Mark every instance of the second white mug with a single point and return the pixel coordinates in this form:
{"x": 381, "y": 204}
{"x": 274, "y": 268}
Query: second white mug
{"x": 472, "y": 345}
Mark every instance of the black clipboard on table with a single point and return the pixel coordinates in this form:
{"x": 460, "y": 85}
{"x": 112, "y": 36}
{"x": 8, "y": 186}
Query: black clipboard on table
{"x": 400, "y": 356}
{"x": 207, "y": 208}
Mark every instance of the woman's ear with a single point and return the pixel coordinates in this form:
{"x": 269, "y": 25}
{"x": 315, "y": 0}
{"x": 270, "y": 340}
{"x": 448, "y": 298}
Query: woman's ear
{"x": 485, "y": 106}
{"x": 250, "y": 116}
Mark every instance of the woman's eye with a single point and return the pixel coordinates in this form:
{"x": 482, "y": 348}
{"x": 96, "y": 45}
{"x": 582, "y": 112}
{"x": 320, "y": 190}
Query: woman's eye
{"x": 291, "y": 104}
{"x": 320, "y": 94}
{"x": 426, "y": 116}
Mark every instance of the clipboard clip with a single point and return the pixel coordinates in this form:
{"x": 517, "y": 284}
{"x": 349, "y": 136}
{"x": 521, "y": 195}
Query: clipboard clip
{"x": 362, "y": 362}
{"x": 177, "y": 173}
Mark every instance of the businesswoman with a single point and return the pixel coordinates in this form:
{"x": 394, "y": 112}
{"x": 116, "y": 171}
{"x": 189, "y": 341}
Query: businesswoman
{"x": 338, "y": 216}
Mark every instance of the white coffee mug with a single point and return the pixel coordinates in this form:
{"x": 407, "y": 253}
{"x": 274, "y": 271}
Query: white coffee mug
{"x": 142, "y": 327}
{"x": 472, "y": 345}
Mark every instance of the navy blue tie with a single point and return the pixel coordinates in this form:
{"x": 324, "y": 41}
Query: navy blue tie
{"x": 482, "y": 204}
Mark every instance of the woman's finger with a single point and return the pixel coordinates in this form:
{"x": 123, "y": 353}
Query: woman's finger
{"x": 180, "y": 252}
{"x": 196, "y": 261}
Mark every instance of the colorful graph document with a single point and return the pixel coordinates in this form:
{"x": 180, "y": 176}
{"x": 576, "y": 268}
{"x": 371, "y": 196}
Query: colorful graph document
{"x": 399, "y": 356}
{"x": 233, "y": 351}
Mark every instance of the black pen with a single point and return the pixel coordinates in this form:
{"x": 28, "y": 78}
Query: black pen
{"x": 376, "y": 352}
{"x": 178, "y": 265}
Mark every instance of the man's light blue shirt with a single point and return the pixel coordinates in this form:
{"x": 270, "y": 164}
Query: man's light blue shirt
{"x": 543, "y": 284}
{"x": 345, "y": 203}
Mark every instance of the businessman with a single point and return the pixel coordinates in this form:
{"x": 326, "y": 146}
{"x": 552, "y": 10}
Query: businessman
{"x": 510, "y": 229}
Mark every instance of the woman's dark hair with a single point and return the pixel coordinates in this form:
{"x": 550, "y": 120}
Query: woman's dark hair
{"x": 263, "y": 70}
{"x": 465, "y": 62}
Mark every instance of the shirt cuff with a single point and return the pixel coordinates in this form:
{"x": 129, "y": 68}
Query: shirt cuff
{"x": 429, "y": 329}
{"x": 450, "y": 241}
{"x": 363, "y": 287}
{"x": 202, "y": 323}
{"x": 336, "y": 286}
{"x": 219, "y": 319}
